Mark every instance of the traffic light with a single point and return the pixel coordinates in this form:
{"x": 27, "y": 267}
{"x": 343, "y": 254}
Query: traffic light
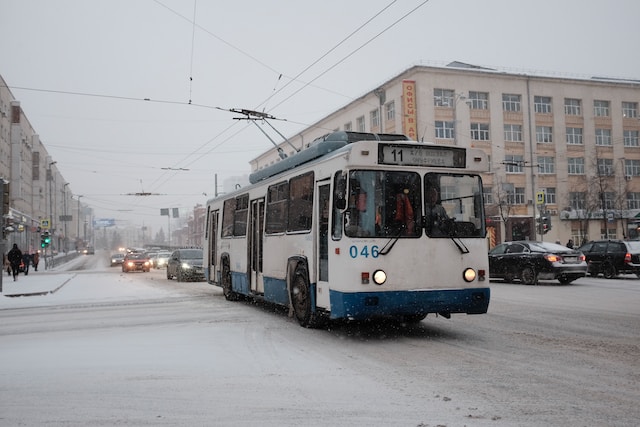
{"x": 546, "y": 224}
{"x": 45, "y": 239}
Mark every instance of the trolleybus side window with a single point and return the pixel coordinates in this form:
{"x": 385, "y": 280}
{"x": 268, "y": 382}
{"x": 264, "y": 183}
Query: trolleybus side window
{"x": 300, "y": 202}
{"x": 234, "y": 217}
{"x": 277, "y": 203}
{"x": 228, "y": 214}
{"x": 240, "y": 217}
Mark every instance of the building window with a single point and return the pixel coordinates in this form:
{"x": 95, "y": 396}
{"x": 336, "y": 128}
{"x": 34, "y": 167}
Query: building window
{"x": 575, "y": 165}
{"x": 513, "y": 163}
{"x": 633, "y": 200}
{"x": 550, "y": 195}
{"x": 443, "y": 97}
{"x": 513, "y": 133}
{"x": 605, "y": 167}
{"x": 629, "y": 109}
{"x": 631, "y": 138}
{"x": 574, "y": 136}
{"x": 542, "y": 104}
{"x": 577, "y": 200}
{"x": 390, "y": 111}
{"x": 544, "y": 134}
{"x": 510, "y": 102}
{"x": 603, "y": 137}
{"x": 517, "y": 197}
{"x": 609, "y": 200}
{"x": 479, "y": 100}
{"x": 632, "y": 167}
{"x": 444, "y": 130}
{"x": 347, "y": 127}
{"x": 480, "y": 131}
{"x": 572, "y": 107}
{"x": 601, "y": 108}
{"x": 374, "y": 115}
{"x": 487, "y": 195}
{"x": 360, "y": 124}
{"x": 546, "y": 165}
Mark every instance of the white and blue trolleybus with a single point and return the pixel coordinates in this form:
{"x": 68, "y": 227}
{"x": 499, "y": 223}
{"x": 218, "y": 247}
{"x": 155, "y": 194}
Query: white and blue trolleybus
{"x": 356, "y": 226}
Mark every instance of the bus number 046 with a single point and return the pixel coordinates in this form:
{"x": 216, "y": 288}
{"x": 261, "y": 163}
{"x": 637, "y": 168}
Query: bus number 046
{"x": 365, "y": 251}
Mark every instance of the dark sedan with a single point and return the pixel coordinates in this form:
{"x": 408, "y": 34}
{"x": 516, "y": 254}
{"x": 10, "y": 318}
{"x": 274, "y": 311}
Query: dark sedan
{"x": 530, "y": 261}
{"x": 185, "y": 264}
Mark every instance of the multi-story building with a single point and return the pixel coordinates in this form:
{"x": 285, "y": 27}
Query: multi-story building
{"x": 38, "y": 197}
{"x": 564, "y": 152}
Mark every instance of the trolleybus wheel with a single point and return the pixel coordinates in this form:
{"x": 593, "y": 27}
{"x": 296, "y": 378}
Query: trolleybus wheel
{"x": 414, "y": 318}
{"x": 528, "y": 276}
{"x": 301, "y": 300}
{"x": 229, "y": 294}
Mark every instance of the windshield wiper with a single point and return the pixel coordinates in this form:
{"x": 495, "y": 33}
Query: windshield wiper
{"x": 391, "y": 243}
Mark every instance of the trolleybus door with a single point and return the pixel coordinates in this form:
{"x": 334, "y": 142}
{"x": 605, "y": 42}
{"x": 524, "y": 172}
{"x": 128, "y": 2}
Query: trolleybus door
{"x": 322, "y": 245}
{"x": 256, "y": 228}
{"x": 213, "y": 245}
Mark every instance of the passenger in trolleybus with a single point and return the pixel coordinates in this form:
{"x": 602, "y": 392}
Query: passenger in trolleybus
{"x": 437, "y": 221}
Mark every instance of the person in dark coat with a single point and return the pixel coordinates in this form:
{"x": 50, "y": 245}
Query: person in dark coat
{"x": 570, "y": 244}
{"x": 26, "y": 260}
{"x": 36, "y": 260}
{"x": 15, "y": 258}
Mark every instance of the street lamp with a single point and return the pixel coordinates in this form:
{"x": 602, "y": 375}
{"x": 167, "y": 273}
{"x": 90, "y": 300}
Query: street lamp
{"x": 65, "y": 218}
{"x": 78, "y": 218}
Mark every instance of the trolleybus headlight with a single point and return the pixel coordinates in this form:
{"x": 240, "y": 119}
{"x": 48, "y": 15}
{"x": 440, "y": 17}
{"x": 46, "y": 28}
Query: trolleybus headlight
{"x": 469, "y": 275}
{"x": 379, "y": 277}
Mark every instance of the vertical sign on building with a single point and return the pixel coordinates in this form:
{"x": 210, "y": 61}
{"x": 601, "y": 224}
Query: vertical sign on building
{"x": 409, "y": 114}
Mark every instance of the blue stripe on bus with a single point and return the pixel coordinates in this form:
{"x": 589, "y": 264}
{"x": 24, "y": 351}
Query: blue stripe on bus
{"x": 362, "y": 305}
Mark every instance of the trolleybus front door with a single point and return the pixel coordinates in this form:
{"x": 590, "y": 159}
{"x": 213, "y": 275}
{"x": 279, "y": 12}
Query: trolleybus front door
{"x": 256, "y": 228}
{"x": 322, "y": 245}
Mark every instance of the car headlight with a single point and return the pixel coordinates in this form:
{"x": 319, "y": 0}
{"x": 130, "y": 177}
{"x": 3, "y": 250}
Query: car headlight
{"x": 185, "y": 265}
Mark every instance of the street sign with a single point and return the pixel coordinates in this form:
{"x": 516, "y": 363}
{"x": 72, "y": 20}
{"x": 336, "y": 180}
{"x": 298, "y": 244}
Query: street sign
{"x": 44, "y": 224}
{"x": 540, "y": 198}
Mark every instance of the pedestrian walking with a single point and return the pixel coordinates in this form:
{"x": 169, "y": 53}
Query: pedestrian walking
{"x": 26, "y": 260}
{"x": 15, "y": 258}
{"x": 36, "y": 260}
{"x": 570, "y": 244}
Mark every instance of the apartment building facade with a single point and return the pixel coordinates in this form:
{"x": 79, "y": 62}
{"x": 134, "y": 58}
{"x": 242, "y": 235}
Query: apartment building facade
{"x": 564, "y": 152}
{"x": 39, "y": 198}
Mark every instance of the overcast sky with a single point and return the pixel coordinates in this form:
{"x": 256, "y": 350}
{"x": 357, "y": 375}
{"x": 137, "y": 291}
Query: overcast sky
{"x": 83, "y": 69}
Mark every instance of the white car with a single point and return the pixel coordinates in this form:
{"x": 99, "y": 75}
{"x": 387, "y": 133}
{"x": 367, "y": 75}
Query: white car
{"x": 160, "y": 261}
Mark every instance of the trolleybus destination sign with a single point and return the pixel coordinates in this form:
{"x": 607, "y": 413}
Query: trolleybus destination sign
{"x": 421, "y": 155}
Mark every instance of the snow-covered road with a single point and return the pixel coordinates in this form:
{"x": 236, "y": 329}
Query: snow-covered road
{"x": 136, "y": 349}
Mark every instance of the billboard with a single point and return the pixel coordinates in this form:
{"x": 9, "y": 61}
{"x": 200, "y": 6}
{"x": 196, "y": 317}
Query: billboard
{"x": 104, "y": 222}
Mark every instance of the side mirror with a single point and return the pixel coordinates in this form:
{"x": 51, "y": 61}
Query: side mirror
{"x": 340, "y": 192}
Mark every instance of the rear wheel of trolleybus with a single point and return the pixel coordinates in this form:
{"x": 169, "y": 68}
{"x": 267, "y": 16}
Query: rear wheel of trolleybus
{"x": 301, "y": 300}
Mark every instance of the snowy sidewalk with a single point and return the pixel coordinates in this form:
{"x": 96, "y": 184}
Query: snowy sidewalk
{"x": 35, "y": 283}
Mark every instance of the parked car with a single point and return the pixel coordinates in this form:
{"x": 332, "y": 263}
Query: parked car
{"x": 136, "y": 261}
{"x": 612, "y": 257}
{"x": 185, "y": 264}
{"x": 530, "y": 261}
{"x": 161, "y": 260}
{"x": 117, "y": 259}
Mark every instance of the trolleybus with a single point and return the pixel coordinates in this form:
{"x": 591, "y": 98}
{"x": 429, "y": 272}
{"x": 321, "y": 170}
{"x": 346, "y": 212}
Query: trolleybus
{"x": 345, "y": 229}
